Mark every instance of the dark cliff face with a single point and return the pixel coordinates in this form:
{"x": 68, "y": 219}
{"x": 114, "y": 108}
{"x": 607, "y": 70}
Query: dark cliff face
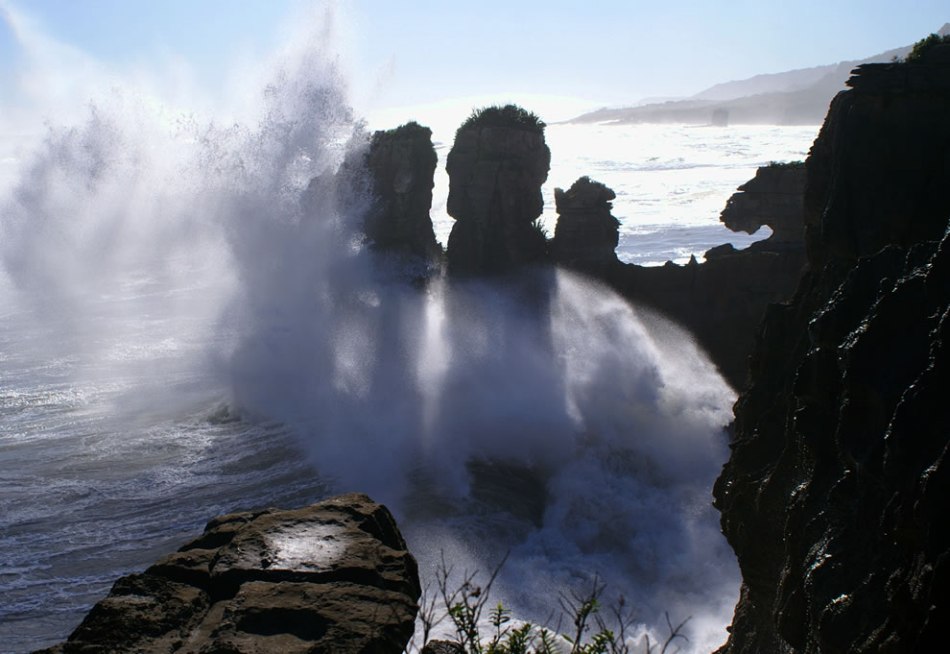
{"x": 837, "y": 492}
{"x": 495, "y": 175}
{"x": 401, "y": 163}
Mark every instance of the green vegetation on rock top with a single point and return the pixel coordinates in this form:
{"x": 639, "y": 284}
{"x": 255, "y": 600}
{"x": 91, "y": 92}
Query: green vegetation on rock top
{"x": 509, "y": 115}
{"x": 409, "y": 129}
{"x": 925, "y": 45}
{"x": 785, "y": 164}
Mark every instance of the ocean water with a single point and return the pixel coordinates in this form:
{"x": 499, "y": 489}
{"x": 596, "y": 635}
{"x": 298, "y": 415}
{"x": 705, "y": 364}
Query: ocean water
{"x": 185, "y": 331}
{"x": 671, "y": 181}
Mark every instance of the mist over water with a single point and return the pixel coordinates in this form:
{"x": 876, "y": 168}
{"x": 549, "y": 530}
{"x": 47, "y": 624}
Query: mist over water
{"x": 192, "y": 324}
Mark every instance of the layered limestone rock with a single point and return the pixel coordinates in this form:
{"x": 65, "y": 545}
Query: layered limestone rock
{"x": 837, "y": 492}
{"x": 401, "y": 163}
{"x": 332, "y": 577}
{"x": 496, "y": 168}
{"x": 587, "y": 234}
{"x": 774, "y": 198}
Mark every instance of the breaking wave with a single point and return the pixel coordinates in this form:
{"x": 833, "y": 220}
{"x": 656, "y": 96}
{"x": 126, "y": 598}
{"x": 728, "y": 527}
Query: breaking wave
{"x": 185, "y": 264}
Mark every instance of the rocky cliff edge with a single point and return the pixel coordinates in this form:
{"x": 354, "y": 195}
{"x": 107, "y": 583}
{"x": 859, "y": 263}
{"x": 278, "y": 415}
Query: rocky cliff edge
{"x": 331, "y": 577}
{"x": 837, "y": 492}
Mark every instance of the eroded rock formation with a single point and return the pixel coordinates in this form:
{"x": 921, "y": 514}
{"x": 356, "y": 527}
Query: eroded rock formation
{"x": 401, "y": 163}
{"x": 587, "y": 234}
{"x": 496, "y": 168}
{"x": 837, "y": 492}
{"x": 722, "y": 300}
{"x": 332, "y": 577}
{"x": 773, "y": 197}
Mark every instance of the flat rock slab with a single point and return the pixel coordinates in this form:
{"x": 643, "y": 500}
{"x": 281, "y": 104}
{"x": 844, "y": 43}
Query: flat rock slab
{"x": 332, "y": 577}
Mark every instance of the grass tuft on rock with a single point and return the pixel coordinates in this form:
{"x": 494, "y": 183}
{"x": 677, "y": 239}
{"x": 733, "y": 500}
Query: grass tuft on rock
{"x": 407, "y": 130}
{"x": 785, "y": 164}
{"x": 509, "y": 115}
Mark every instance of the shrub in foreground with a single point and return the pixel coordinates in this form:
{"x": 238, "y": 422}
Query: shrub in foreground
{"x": 581, "y": 628}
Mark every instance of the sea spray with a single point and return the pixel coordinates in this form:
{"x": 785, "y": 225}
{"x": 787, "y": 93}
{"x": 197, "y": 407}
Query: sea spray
{"x": 179, "y": 263}
{"x": 434, "y": 398}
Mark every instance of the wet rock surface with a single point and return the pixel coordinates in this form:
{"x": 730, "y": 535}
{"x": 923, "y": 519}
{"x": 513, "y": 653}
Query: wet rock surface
{"x": 332, "y": 577}
{"x": 837, "y": 492}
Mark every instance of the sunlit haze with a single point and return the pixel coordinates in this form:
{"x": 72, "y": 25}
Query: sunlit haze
{"x": 425, "y": 59}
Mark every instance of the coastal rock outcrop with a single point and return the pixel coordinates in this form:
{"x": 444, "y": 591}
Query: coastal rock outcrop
{"x": 774, "y": 197}
{"x": 722, "y": 300}
{"x": 586, "y": 234}
{"x": 496, "y": 168}
{"x": 837, "y": 492}
{"x": 331, "y": 577}
{"x": 401, "y": 163}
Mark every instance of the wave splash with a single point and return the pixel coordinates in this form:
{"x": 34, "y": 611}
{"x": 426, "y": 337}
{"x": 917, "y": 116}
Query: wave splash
{"x": 542, "y": 416}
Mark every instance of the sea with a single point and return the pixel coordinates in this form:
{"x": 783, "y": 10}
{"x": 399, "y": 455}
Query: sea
{"x": 186, "y": 331}
{"x": 672, "y": 181}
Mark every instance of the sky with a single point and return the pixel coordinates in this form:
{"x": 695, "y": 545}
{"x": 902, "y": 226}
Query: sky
{"x": 401, "y": 58}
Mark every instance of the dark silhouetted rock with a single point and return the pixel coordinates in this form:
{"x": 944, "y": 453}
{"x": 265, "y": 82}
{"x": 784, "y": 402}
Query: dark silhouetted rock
{"x": 774, "y": 197}
{"x": 401, "y": 163}
{"x": 332, "y": 577}
{"x": 723, "y": 300}
{"x": 837, "y": 492}
{"x": 496, "y": 168}
{"x": 587, "y": 234}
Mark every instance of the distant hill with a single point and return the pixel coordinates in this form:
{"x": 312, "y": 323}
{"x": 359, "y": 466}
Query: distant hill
{"x": 794, "y": 97}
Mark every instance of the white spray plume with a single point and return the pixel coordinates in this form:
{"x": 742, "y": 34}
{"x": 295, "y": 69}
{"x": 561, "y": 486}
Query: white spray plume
{"x": 544, "y": 416}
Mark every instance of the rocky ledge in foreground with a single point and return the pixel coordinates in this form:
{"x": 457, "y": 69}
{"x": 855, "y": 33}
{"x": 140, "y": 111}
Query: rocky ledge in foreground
{"x": 332, "y": 577}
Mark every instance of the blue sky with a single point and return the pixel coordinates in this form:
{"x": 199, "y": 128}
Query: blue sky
{"x": 402, "y": 54}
